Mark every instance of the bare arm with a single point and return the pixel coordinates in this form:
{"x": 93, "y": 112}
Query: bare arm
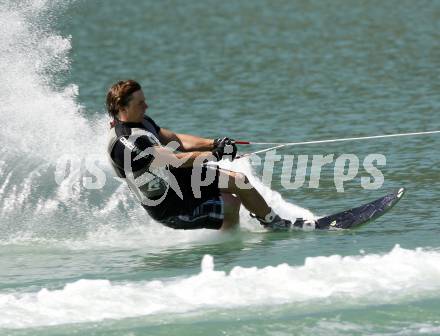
{"x": 164, "y": 156}
{"x": 188, "y": 143}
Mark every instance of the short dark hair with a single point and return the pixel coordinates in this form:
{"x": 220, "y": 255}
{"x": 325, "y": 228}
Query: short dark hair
{"x": 119, "y": 95}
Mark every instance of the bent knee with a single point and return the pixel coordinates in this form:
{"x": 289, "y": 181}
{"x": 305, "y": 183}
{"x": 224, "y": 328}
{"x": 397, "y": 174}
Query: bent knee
{"x": 242, "y": 178}
{"x": 241, "y": 181}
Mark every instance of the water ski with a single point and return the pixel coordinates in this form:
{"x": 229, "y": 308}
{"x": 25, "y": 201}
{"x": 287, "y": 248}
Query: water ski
{"x": 357, "y": 216}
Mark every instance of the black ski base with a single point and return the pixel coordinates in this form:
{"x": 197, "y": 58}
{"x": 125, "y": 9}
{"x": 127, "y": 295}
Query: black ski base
{"x": 355, "y": 217}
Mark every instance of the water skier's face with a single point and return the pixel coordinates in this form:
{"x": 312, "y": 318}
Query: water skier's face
{"x": 136, "y": 108}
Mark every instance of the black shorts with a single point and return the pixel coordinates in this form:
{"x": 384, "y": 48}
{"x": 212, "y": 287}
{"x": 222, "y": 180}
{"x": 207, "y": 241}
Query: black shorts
{"x": 208, "y": 215}
{"x": 191, "y": 212}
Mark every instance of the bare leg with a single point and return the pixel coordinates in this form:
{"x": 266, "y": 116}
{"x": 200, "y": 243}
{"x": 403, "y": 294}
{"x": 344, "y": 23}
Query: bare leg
{"x": 232, "y": 210}
{"x": 250, "y": 197}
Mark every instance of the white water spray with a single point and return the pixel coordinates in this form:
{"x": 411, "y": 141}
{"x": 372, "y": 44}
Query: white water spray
{"x": 320, "y": 283}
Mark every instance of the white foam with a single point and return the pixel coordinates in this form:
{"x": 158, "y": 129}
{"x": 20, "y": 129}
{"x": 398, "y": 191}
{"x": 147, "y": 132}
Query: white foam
{"x": 337, "y": 326}
{"x": 42, "y": 119}
{"x": 398, "y": 276}
{"x": 147, "y": 235}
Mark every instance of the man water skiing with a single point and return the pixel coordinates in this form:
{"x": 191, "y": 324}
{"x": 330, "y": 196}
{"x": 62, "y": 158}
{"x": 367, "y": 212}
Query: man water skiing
{"x": 161, "y": 178}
